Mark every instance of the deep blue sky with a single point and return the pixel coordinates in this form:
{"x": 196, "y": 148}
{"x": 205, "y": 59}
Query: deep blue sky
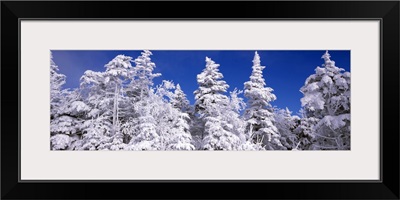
{"x": 285, "y": 72}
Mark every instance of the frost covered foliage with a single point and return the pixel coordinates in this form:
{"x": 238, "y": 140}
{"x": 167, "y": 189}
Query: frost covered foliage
{"x": 327, "y": 99}
{"x": 68, "y": 120}
{"x": 179, "y": 100}
{"x": 259, "y": 115}
{"x": 158, "y": 125}
{"x": 67, "y": 112}
{"x": 145, "y": 136}
{"x": 286, "y": 124}
{"x": 143, "y": 76}
{"x": 57, "y": 80}
{"x": 210, "y": 95}
{"x": 120, "y": 108}
{"x": 304, "y": 132}
{"x": 212, "y": 107}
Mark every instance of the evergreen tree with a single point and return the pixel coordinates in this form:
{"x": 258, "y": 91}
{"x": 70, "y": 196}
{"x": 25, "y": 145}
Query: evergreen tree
{"x": 304, "y": 132}
{"x": 286, "y": 124}
{"x": 235, "y": 123}
{"x": 259, "y": 115}
{"x": 143, "y": 76}
{"x": 210, "y": 95}
{"x": 146, "y": 137}
{"x": 57, "y": 80}
{"x": 66, "y": 112}
{"x": 180, "y": 135}
{"x": 119, "y": 70}
{"x": 68, "y": 121}
{"x": 210, "y": 106}
{"x": 327, "y": 98}
{"x": 94, "y": 133}
{"x": 154, "y": 115}
{"x": 103, "y": 92}
{"x": 179, "y": 100}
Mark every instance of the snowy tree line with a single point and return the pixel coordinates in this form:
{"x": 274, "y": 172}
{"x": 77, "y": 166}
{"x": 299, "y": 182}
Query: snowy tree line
{"x": 121, "y": 109}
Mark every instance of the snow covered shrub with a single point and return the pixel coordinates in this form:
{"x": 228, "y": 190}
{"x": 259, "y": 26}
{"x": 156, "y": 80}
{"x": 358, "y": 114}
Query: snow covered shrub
{"x": 59, "y": 142}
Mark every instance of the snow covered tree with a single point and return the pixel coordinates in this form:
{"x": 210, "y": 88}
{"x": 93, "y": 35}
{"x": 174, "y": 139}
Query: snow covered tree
{"x": 259, "y": 115}
{"x": 66, "y": 111}
{"x": 103, "y": 89}
{"x": 143, "y": 76}
{"x": 327, "y": 98}
{"x": 57, "y": 80}
{"x": 155, "y": 124}
{"x": 172, "y": 124}
{"x": 94, "y": 133}
{"x": 196, "y": 128}
{"x": 136, "y": 93}
{"x": 146, "y": 137}
{"x": 211, "y": 89}
{"x": 217, "y": 137}
{"x": 179, "y": 100}
{"x": 181, "y": 103}
{"x": 235, "y": 123}
{"x": 59, "y": 140}
{"x": 103, "y": 92}
{"x": 180, "y": 135}
{"x": 286, "y": 124}
{"x": 142, "y": 128}
{"x": 147, "y": 106}
{"x": 304, "y": 132}
{"x": 68, "y": 121}
{"x": 209, "y": 93}
{"x": 95, "y": 90}
{"x": 119, "y": 70}
{"x": 210, "y": 106}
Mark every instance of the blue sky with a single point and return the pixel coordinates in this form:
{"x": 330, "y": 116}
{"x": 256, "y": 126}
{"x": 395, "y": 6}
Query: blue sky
{"x": 285, "y": 72}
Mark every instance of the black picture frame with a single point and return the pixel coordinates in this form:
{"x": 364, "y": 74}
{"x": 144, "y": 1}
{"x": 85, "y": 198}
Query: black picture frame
{"x": 386, "y": 11}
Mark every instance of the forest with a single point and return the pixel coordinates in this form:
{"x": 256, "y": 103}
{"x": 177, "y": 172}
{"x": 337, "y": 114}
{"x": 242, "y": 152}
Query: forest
{"x": 121, "y": 108}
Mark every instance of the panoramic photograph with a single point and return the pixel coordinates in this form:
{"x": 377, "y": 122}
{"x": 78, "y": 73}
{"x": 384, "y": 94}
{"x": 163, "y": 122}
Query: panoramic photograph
{"x": 200, "y": 100}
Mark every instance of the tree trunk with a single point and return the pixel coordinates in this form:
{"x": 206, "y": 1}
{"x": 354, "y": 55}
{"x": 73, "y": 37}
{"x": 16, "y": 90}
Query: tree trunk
{"x": 115, "y": 110}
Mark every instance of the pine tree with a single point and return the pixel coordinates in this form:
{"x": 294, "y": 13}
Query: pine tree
{"x": 103, "y": 90}
{"x": 171, "y": 111}
{"x": 180, "y": 135}
{"x": 94, "y": 133}
{"x": 119, "y": 70}
{"x": 143, "y": 76}
{"x": 179, "y": 100}
{"x": 211, "y": 105}
{"x": 182, "y": 138}
{"x": 138, "y": 109}
{"x": 217, "y": 137}
{"x": 57, "y": 80}
{"x": 327, "y": 98}
{"x": 145, "y": 136}
{"x": 286, "y": 124}
{"x": 209, "y": 95}
{"x": 66, "y": 112}
{"x": 104, "y": 93}
{"x": 232, "y": 116}
{"x": 304, "y": 131}
{"x": 68, "y": 120}
{"x": 95, "y": 89}
{"x": 259, "y": 115}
